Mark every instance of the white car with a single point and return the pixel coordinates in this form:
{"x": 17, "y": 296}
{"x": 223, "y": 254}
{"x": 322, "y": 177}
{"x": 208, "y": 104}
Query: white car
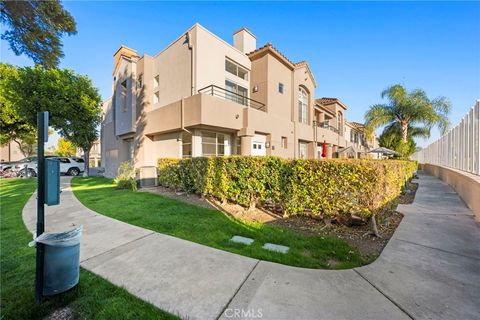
{"x": 68, "y": 166}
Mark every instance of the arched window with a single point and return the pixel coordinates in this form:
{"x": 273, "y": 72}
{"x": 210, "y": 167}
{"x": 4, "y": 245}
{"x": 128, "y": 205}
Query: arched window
{"x": 302, "y": 105}
{"x": 340, "y": 123}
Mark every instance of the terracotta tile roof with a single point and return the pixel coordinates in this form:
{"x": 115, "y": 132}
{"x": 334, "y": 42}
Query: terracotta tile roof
{"x": 326, "y": 100}
{"x": 357, "y": 124}
{"x": 269, "y": 47}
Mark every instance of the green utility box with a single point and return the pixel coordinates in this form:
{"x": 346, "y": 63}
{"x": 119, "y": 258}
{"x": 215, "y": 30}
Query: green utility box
{"x": 52, "y": 182}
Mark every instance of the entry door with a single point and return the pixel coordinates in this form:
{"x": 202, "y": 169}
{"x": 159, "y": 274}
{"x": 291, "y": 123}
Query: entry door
{"x": 258, "y": 145}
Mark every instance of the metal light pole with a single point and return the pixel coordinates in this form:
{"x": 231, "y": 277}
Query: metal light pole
{"x": 42, "y": 127}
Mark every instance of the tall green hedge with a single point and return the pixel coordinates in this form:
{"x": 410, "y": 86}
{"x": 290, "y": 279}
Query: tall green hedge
{"x": 327, "y": 187}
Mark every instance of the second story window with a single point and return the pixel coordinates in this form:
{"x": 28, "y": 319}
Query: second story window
{"x": 123, "y": 96}
{"x": 156, "y": 81}
{"x": 340, "y": 123}
{"x": 302, "y": 105}
{"x": 236, "y": 93}
{"x": 236, "y": 70}
{"x": 280, "y": 87}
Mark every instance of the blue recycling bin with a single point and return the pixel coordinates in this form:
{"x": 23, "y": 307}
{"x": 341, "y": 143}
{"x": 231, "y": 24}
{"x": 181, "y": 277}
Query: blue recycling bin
{"x": 61, "y": 260}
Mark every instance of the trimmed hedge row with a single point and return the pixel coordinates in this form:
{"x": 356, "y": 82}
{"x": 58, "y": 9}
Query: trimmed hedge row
{"x": 327, "y": 187}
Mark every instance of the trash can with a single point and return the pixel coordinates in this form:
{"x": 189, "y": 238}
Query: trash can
{"x": 61, "y": 260}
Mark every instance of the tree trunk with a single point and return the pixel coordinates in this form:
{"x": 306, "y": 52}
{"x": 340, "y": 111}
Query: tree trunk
{"x": 25, "y": 149}
{"x": 404, "y": 126}
{"x": 86, "y": 156}
{"x": 374, "y": 226}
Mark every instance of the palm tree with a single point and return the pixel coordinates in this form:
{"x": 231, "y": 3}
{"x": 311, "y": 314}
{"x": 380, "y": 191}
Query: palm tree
{"x": 409, "y": 109}
{"x": 391, "y": 138}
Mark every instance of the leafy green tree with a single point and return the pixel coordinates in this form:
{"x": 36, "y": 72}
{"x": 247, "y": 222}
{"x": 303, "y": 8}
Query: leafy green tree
{"x": 65, "y": 148}
{"x": 408, "y": 109}
{"x": 35, "y": 29}
{"x": 13, "y": 127}
{"x": 71, "y": 100}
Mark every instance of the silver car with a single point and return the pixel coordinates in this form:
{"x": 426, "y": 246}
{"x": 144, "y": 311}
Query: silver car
{"x": 68, "y": 166}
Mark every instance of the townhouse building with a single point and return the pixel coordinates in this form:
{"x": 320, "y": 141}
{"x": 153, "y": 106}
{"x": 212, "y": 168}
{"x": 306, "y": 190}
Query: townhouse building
{"x": 201, "y": 96}
{"x": 95, "y": 156}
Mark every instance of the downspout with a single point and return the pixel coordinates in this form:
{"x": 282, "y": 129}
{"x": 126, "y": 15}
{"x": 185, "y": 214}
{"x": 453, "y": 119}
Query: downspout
{"x": 192, "y": 53}
{"x": 182, "y": 124}
{"x": 182, "y": 117}
{"x": 295, "y": 143}
{"x": 192, "y": 89}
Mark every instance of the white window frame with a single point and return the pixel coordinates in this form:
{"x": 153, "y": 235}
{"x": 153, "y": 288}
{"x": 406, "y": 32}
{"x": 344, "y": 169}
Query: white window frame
{"x": 226, "y": 144}
{"x": 302, "y": 105}
{"x": 237, "y": 68}
{"x": 236, "y": 96}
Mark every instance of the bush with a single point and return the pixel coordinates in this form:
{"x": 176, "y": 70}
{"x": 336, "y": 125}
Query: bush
{"x": 325, "y": 187}
{"x": 126, "y": 177}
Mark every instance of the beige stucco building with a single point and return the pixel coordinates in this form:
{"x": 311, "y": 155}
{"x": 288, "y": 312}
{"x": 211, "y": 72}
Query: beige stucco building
{"x": 95, "y": 155}
{"x": 10, "y": 152}
{"x": 201, "y": 96}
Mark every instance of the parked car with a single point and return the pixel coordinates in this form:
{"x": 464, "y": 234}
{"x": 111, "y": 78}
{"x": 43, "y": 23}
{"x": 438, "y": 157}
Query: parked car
{"x": 5, "y": 166}
{"x": 68, "y": 166}
{"x": 71, "y": 166}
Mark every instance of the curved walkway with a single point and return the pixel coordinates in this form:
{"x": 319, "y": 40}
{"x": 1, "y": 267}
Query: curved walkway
{"x": 430, "y": 269}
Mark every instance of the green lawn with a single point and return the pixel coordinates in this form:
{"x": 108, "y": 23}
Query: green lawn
{"x": 211, "y": 227}
{"x": 93, "y": 298}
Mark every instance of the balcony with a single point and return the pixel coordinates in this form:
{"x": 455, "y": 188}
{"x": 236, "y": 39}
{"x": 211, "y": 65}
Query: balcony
{"x": 326, "y": 125}
{"x": 199, "y": 110}
{"x": 222, "y": 93}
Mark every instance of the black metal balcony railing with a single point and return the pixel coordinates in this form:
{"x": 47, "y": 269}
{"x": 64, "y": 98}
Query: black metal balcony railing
{"x": 326, "y": 125}
{"x": 219, "y": 92}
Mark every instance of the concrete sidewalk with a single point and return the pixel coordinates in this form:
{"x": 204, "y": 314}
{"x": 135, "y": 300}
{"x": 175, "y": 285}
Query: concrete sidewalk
{"x": 430, "y": 269}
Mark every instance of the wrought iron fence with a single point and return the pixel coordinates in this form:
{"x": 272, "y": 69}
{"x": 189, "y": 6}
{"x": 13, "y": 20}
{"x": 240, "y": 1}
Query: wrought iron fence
{"x": 459, "y": 148}
{"x": 326, "y": 125}
{"x": 219, "y": 92}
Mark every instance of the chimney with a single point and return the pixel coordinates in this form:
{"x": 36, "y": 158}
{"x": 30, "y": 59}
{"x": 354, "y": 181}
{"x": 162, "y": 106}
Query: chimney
{"x": 244, "y": 40}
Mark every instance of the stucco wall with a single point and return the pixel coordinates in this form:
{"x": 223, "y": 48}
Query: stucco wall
{"x": 465, "y": 184}
{"x": 173, "y": 67}
{"x": 11, "y": 152}
{"x": 111, "y": 150}
{"x": 210, "y": 54}
{"x": 124, "y": 117}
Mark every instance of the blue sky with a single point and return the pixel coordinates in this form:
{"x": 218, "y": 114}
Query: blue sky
{"x": 355, "y": 49}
